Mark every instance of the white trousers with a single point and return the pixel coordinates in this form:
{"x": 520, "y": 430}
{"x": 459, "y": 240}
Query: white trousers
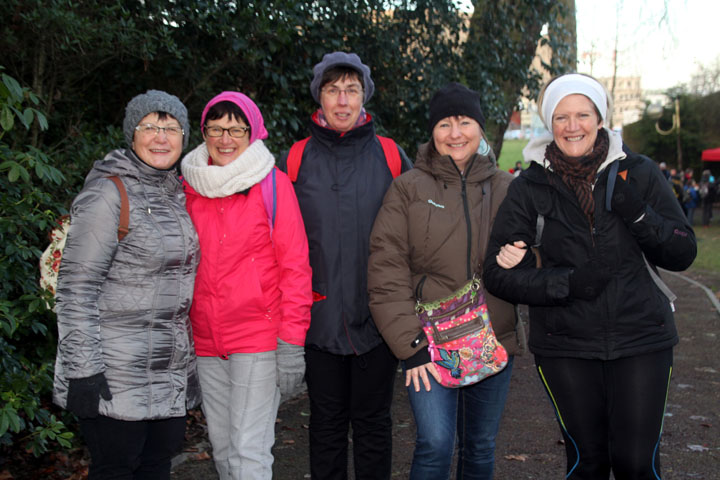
{"x": 240, "y": 401}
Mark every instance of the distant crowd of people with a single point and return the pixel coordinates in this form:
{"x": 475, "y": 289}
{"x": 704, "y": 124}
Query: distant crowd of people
{"x": 693, "y": 195}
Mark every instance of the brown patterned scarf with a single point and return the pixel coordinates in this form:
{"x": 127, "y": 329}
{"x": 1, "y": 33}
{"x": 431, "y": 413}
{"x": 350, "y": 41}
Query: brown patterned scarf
{"x": 579, "y": 174}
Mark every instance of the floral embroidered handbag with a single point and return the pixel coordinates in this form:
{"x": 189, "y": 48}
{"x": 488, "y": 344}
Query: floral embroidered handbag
{"x": 460, "y": 337}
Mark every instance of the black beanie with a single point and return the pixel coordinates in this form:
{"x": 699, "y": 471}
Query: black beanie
{"x": 452, "y": 100}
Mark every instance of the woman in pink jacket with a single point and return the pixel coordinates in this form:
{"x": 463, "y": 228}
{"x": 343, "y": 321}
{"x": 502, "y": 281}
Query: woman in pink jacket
{"x": 251, "y": 306}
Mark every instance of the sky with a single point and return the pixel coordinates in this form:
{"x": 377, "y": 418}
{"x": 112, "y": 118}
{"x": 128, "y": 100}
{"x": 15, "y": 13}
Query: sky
{"x": 663, "y": 48}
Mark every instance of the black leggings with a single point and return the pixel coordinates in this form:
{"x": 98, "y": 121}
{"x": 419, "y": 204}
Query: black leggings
{"x": 610, "y": 412}
{"x": 132, "y": 450}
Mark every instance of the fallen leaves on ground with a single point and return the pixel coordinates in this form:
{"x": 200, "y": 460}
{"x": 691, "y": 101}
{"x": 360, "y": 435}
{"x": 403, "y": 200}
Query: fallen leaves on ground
{"x": 519, "y": 457}
{"x": 201, "y": 456}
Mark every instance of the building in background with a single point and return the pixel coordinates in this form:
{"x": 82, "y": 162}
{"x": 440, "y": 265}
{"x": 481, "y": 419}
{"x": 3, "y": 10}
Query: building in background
{"x": 628, "y": 103}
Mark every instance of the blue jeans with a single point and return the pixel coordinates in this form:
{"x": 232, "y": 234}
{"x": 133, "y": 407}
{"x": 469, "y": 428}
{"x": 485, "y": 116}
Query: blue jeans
{"x": 470, "y": 414}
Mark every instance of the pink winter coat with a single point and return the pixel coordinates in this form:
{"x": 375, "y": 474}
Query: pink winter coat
{"x": 247, "y": 292}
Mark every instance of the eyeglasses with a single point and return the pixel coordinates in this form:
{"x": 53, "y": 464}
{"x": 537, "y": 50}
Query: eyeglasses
{"x": 351, "y": 92}
{"x": 235, "y": 132}
{"x": 150, "y": 129}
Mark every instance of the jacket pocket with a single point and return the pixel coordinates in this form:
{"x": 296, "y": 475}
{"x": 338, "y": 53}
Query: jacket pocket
{"x": 245, "y": 298}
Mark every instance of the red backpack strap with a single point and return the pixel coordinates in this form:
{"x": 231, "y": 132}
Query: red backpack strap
{"x": 392, "y": 155}
{"x": 124, "y": 208}
{"x": 294, "y": 158}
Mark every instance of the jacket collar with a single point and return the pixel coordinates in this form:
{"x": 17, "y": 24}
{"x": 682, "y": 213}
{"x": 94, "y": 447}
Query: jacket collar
{"x": 479, "y": 167}
{"x": 334, "y": 138}
{"x": 125, "y": 163}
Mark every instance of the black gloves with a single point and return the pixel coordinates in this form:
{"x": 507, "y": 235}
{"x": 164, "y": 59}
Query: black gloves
{"x": 588, "y": 281}
{"x": 84, "y": 395}
{"x": 626, "y": 201}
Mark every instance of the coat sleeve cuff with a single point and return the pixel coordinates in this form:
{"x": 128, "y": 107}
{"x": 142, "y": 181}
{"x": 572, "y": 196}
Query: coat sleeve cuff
{"x": 421, "y": 357}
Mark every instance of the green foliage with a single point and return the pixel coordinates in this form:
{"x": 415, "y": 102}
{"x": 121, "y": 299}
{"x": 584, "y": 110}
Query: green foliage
{"x": 195, "y": 49}
{"x": 26, "y": 340}
{"x": 502, "y": 45}
{"x": 83, "y": 61}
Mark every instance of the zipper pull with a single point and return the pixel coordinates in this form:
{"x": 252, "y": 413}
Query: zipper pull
{"x": 418, "y": 339}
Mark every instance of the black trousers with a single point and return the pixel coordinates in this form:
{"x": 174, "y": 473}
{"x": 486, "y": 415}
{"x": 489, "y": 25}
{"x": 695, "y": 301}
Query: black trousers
{"x": 124, "y": 450}
{"x": 610, "y": 413}
{"x": 706, "y": 212}
{"x": 349, "y": 390}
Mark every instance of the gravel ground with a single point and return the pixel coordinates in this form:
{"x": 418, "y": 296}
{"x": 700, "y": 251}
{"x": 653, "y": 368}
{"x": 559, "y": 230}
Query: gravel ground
{"x": 529, "y": 443}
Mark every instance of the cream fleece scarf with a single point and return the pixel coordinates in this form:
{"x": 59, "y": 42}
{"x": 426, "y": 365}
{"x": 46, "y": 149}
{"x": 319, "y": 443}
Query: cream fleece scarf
{"x": 214, "y": 181}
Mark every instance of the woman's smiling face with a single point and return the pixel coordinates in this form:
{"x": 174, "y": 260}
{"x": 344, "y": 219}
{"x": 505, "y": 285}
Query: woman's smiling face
{"x": 575, "y": 125}
{"x": 159, "y": 150}
{"x": 224, "y": 149}
{"x": 458, "y": 137}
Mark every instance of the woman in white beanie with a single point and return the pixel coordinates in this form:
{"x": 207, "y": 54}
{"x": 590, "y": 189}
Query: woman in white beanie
{"x": 601, "y": 328}
{"x": 125, "y": 360}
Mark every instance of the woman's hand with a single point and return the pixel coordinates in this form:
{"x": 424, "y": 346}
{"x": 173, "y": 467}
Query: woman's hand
{"x": 416, "y": 374}
{"x": 511, "y": 255}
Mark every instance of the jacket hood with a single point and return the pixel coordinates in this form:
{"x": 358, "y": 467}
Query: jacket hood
{"x": 534, "y": 151}
{"x": 124, "y": 163}
{"x": 480, "y": 167}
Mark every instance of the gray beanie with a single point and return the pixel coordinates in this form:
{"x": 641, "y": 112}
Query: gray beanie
{"x": 154, "y": 101}
{"x": 341, "y": 59}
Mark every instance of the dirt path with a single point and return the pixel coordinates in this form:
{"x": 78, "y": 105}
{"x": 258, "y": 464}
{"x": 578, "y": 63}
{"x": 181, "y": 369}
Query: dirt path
{"x": 528, "y": 446}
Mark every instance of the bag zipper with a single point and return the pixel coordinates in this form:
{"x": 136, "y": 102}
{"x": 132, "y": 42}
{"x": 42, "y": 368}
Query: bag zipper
{"x": 468, "y": 305}
{"x": 458, "y": 331}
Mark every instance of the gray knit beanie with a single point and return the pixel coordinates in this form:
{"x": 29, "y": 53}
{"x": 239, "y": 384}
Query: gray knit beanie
{"x": 341, "y": 59}
{"x": 154, "y": 101}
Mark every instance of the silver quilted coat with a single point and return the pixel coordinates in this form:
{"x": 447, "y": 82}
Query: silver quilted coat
{"x": 123, "y": 307}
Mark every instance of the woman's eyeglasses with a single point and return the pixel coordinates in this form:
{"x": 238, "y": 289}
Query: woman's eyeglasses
{"x": 150, "y": 129}
{"x": 235, "y": 132}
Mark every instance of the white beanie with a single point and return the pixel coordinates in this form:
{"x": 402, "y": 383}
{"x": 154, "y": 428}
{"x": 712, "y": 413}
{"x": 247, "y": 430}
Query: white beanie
{"x": 571, "y": 84}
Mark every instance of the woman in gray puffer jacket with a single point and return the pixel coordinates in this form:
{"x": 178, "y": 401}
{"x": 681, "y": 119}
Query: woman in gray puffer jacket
{"x": 125, "y": 361}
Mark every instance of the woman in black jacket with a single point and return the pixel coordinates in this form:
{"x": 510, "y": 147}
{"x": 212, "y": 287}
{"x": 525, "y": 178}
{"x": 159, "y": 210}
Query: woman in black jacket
{"x": 601, "y": 329}
{"x": 340, "y": 180}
